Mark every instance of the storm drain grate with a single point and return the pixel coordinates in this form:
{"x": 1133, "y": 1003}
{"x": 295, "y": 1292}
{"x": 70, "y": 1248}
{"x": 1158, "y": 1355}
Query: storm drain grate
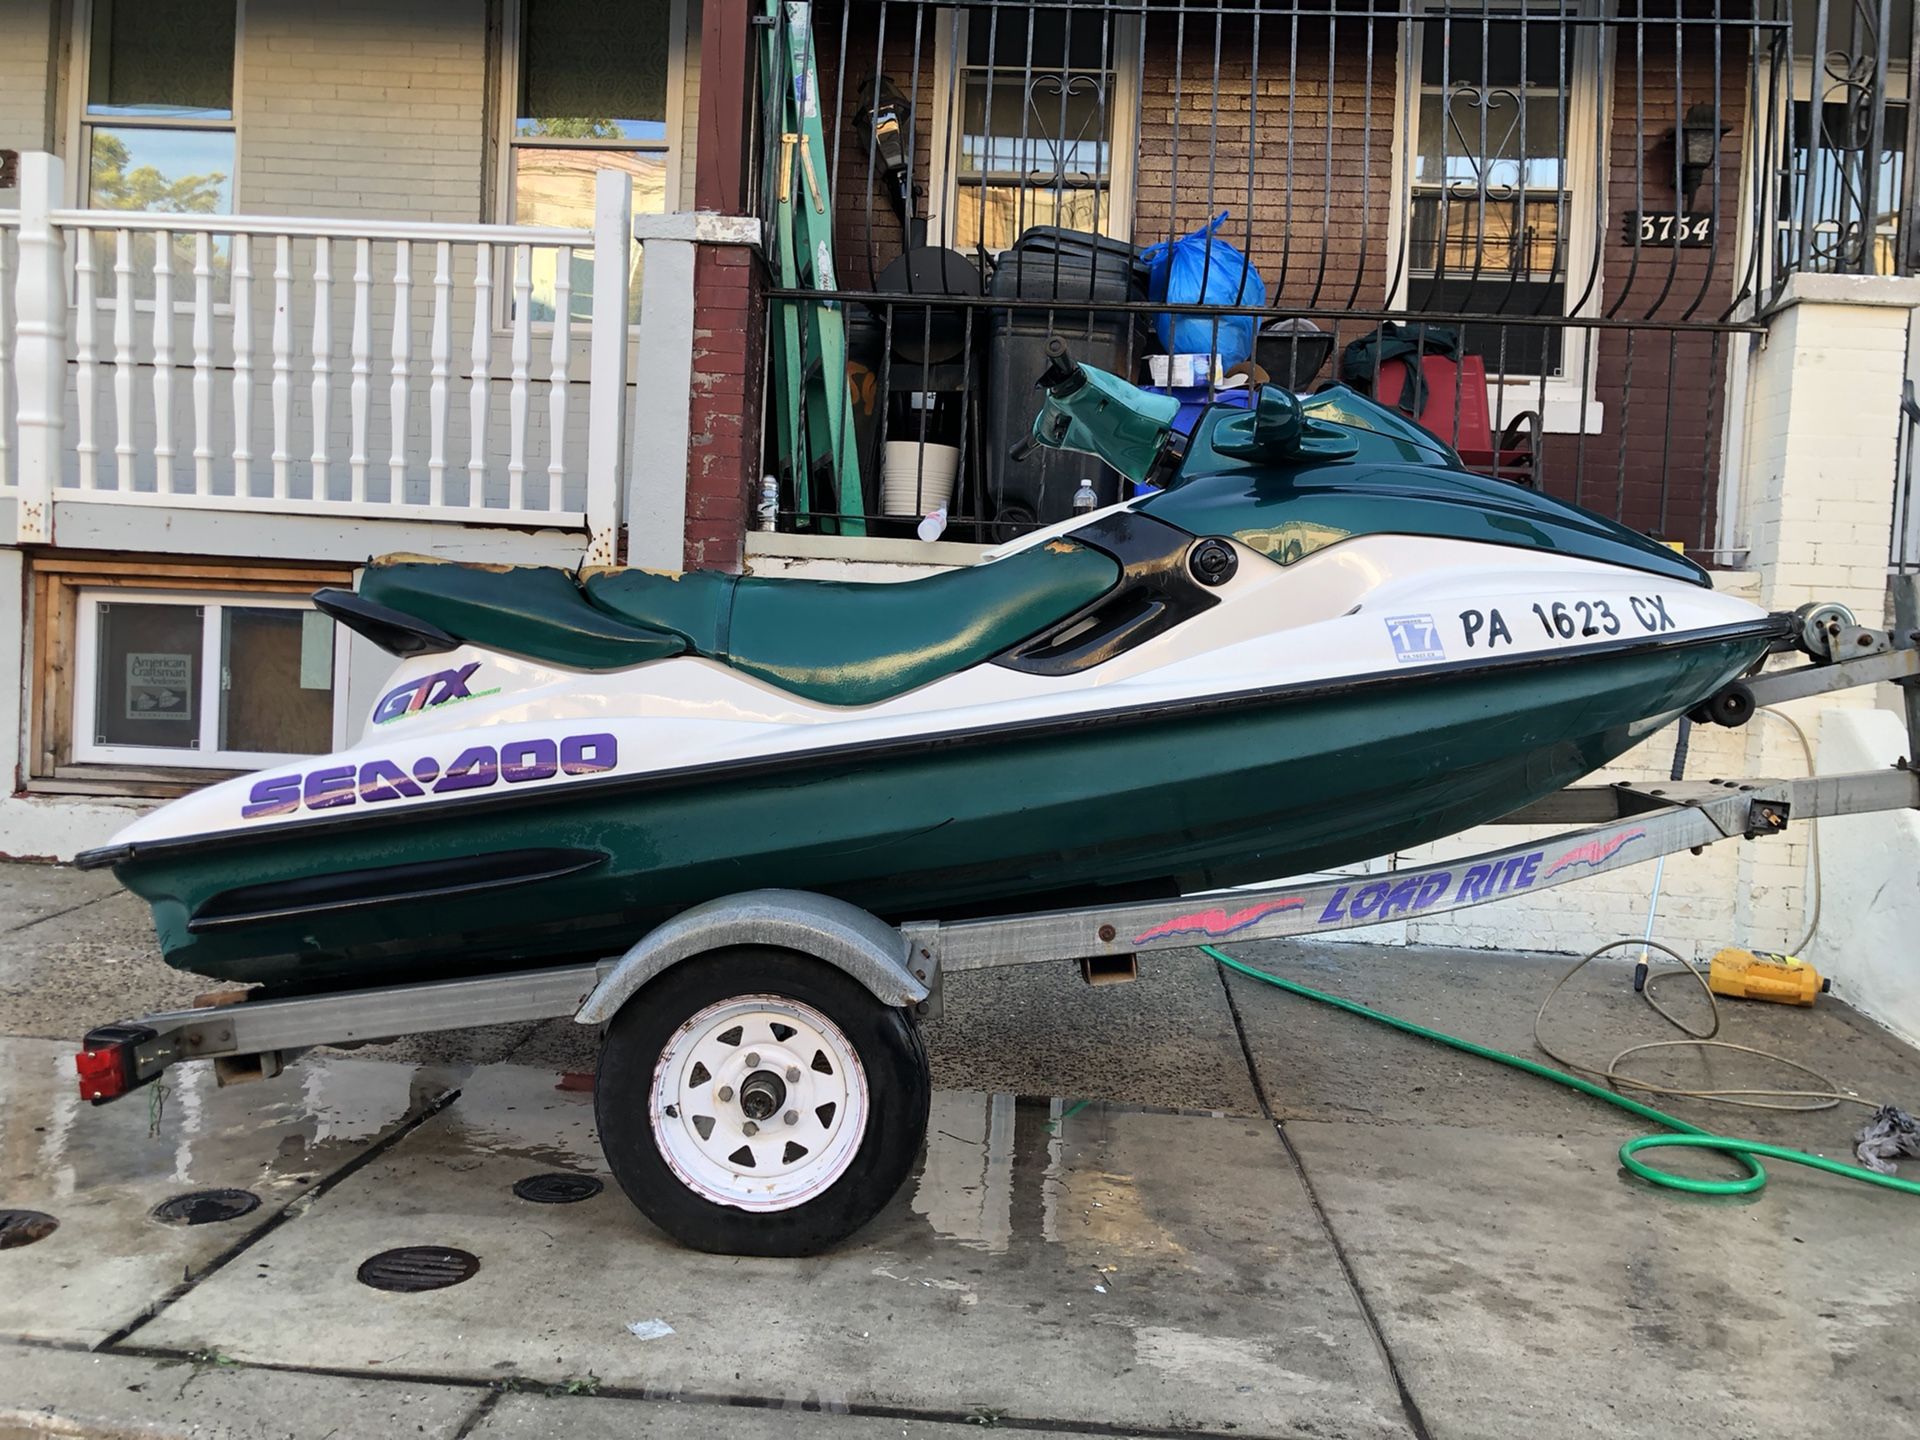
{"x": 557, "y": 1188}
{"x": 23, "y": 1227}
{"x": 206, "y": 1207}
{"x": 413, "y": 1268}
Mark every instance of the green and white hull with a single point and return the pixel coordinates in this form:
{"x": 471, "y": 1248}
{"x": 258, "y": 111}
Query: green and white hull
{"x": 1321, "y": 642}
{"x": 585, "y": 807}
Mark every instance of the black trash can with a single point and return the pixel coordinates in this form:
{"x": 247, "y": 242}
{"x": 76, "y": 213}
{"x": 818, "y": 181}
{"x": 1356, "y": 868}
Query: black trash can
{"x": 1077, "y": 271}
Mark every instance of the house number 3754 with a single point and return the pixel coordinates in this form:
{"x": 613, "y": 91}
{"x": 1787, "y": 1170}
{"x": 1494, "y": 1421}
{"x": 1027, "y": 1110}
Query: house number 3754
{"x": 1654, "y": 228}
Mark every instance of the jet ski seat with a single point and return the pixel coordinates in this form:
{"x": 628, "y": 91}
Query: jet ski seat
{"x": 839, "y": 642}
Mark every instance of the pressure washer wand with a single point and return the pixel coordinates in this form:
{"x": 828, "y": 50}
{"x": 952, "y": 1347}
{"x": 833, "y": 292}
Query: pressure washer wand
{"x": 1678, "y": 772}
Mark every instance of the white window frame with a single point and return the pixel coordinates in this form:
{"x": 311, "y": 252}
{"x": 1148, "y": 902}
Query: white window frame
{"x": 80, "y": 126}
{"x": 506, "y": 143}
{"x": 1567, "y": 405}
{"x": 86, "y": 665}
{"x": 949, "y": 46}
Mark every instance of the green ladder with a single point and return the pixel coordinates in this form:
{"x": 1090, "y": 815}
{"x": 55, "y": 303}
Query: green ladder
{"x": 814, "y": 429}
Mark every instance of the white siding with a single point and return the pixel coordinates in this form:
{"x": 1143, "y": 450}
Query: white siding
{"x": 690, "y": 123}
{"x": 363, "y": 107}
{"x": 26, "y": 29}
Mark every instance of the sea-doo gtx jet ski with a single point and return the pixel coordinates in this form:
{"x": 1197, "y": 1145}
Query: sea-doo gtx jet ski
{"x": 1314, "y": 638}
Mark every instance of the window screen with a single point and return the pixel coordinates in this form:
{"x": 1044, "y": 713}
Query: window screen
{"x": 164, "y": 57}
{"x": 594, "y": 69}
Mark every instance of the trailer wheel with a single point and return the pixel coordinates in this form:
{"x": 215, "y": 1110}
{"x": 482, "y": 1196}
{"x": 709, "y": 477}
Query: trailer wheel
{"x": 759, "y": 1102}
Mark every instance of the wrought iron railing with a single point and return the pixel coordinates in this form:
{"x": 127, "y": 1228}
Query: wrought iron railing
{"x": 1574, "y": 210}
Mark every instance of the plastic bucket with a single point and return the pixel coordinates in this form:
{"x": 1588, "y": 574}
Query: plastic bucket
{"x": 917, "y": 479}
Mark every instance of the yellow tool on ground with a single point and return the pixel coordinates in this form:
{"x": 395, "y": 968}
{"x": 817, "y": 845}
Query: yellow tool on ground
{"x": 1761, "y": 975}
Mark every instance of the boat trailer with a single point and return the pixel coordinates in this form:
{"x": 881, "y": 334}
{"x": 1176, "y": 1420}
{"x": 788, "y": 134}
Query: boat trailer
{"x": 895, "y": 972}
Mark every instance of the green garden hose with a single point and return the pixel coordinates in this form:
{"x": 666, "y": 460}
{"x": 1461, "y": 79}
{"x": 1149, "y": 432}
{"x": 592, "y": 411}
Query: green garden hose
{"x": 1746, "y": 1153}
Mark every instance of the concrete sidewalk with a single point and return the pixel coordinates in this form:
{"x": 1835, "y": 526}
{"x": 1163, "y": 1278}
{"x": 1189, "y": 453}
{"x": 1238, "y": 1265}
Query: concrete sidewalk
{"x": 1271, "y": 1219}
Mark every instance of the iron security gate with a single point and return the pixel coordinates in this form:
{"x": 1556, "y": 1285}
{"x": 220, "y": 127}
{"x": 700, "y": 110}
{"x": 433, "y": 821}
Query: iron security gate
{"x": 1564, "y": 216}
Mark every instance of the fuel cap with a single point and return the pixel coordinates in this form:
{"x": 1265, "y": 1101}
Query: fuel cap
{"x": 1213, "y": 561}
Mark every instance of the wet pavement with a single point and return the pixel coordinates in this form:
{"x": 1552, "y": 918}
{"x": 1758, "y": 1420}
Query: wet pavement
{"x": 1422, "y": 1245}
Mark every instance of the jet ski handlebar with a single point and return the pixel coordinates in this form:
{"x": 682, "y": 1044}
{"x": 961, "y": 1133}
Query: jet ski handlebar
{"x": 1085, "y": 408}
{"x": 1063, "y": 375}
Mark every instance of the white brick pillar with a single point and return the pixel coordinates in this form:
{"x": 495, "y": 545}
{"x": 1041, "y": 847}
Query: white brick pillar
{"x": 1820, "y": 459}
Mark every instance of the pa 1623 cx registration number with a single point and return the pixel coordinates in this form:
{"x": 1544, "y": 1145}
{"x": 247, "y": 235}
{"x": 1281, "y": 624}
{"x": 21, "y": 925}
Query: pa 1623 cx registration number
{"x": 1569, "y": 620}
{"x": 475, "y": 768}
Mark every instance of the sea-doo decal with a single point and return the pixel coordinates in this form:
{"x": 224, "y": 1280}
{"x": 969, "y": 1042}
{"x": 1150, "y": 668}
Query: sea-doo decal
{"x": 1594, "y": 852}
{"x": 1215, "y": 924}
{"x": 429, "y": 692}
{"x": 476, "y": 768}
{"x": 1415, "y": 637}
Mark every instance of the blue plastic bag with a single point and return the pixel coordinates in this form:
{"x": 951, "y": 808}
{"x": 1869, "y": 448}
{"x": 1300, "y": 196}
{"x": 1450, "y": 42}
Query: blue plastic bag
{"x": 1199, "y": 269}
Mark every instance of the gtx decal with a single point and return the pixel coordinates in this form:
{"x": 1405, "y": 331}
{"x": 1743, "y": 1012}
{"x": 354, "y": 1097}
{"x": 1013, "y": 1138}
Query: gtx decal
{"x": 429, "y": 692}
{"x": 476, "y": 768}
{"x": 1215, "y": 924}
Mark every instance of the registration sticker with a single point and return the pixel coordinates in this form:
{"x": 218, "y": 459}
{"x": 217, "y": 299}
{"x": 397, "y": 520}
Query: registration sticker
{"x": 1415, "y": 637}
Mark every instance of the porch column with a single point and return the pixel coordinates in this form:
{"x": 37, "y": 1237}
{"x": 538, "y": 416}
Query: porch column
{"x": 1820, "y": 465}
{"x": 722, "y": 475}
{"x": 40, "y": 344}
{"x": 662, "y": 383}
{"x": 694, "y": 390}
{"x": 723, "y": 449}
{"x": 720, "y": 157}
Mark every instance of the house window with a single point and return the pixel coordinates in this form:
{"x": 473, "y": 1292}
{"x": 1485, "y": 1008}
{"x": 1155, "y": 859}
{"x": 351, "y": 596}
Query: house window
{"x": 1036, "y": 118}
{"x": 1841, "y": 210}
{"x": 591, "y": 87}
{"x": 1500, "y": 178}
{"x": 157, "y": 112}
{"x": 163, "y": 678}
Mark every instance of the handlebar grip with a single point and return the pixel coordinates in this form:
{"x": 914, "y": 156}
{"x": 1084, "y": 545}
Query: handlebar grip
{"x": 1062, "y": 376}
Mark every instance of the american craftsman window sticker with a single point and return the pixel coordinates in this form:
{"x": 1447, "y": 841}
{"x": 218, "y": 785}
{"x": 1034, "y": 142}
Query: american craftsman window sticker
{"x": 159, "y": 687}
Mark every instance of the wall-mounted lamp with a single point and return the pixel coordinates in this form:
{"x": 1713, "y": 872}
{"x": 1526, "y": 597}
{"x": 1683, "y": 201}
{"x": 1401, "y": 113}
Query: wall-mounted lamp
{"x": 1697, "y": 138}
{"x": 884, "y": 127}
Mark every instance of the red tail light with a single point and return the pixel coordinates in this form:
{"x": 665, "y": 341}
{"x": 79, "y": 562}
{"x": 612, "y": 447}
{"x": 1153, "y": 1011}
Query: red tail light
{"x": 109, "y": 1066}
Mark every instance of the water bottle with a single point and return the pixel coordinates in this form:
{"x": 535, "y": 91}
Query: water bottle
{"x": 1085, "y": 501}
{"x": 769, "y": 502}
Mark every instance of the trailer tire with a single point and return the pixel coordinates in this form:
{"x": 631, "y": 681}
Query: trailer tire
{"x": 836, "y": 1075}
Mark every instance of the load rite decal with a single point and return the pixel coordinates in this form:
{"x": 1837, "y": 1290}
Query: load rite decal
{"x": 1403, "y": 894}
{"x": 475, "y": 768}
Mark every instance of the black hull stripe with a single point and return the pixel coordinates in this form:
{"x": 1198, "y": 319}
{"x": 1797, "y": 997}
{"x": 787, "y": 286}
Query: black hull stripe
{"x": 1778, "y": 626}
{"x": 411, "y": 883}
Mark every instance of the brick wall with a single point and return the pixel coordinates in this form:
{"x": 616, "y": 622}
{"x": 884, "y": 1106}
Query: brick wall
{"x": 724, "y": 415}
{"x": 1306, "y": 115}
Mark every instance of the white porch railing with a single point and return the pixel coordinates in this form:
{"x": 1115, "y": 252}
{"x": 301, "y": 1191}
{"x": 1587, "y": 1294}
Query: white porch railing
{"x": 361, "y": 369}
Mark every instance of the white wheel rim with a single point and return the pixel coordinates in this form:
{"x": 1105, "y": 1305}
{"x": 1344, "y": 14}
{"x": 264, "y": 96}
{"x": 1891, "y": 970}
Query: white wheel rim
{"x": 712, "y": 1088}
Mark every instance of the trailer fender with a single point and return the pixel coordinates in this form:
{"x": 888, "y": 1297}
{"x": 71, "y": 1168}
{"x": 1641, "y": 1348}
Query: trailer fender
{"x": 843, "y": 935}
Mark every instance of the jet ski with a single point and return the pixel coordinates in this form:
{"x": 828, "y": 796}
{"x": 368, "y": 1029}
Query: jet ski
{"x": 1311, "y": 638}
